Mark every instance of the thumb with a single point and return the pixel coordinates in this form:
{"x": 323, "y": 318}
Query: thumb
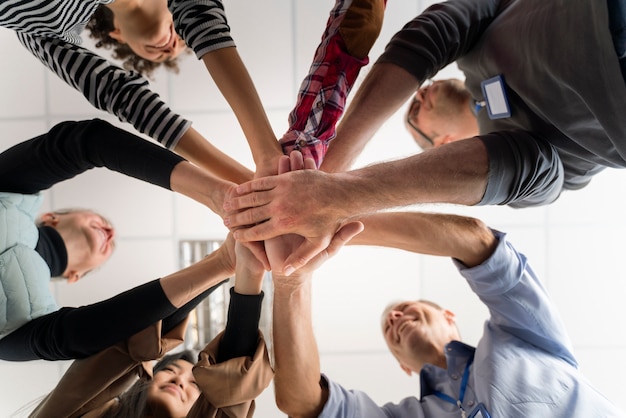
{"x": 343, "y": 236}
{"x": 302, "y": 255}
{"x": 315, "y": 255}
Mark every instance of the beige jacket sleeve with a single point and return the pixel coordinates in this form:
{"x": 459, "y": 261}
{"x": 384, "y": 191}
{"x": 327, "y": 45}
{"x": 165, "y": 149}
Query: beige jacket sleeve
{"x": 92, "y": 384}
{"x": 229, "y": 388}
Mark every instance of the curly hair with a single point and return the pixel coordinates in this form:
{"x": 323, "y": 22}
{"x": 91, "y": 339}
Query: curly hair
{"x": 101, "y": 24}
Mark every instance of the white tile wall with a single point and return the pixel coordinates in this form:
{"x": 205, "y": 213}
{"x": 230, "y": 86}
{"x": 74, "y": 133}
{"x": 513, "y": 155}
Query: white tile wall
{"x": 574, "y": 244}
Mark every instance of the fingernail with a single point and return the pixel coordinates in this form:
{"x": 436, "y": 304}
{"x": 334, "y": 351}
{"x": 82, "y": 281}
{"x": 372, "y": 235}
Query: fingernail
{"x": 226, "y": 222}
{"x": 288, "y": 270}
{"x": 226, "y": 205}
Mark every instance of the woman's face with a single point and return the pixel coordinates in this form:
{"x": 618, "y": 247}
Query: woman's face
{"x": 173, "y": 389}
{"x": 149, "y": 32}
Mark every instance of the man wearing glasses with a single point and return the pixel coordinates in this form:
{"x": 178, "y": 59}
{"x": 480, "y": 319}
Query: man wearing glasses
{"x": 546, "y": 125}
{"x": 440, "y": 112}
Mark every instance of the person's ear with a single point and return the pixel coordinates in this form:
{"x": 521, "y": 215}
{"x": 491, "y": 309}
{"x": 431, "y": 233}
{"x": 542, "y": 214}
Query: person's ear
{"x": 406, "y": 369}
{"x": 450, "y": 316}
{"x": 447, "y": 138}
{"x": 73, "y": 276}
{"x": 117, "y": 35}
{"x": 49, "y": 219}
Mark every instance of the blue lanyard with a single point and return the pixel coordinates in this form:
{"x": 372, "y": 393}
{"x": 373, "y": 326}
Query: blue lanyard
{"x": 450, "y": 399}
{"x": 477, "y": 105}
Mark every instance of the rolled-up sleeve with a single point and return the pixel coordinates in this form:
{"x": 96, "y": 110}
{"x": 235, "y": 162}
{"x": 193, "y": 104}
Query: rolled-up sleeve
{"x": 524, "y": 171}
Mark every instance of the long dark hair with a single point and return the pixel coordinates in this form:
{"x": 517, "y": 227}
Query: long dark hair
{"x": 132, "y": 403}
{"x": 101, "y": 24}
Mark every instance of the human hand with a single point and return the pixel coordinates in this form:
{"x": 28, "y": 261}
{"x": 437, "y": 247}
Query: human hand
{"x": 278, "y": 249}
{"x": 309, "y": 203}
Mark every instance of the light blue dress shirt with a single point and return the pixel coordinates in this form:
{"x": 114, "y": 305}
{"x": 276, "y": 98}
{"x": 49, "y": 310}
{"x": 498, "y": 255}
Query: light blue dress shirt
{"x": 522, "y": 367}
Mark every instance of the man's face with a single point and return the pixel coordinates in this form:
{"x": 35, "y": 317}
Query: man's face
{"x": 88, "y": 236}
{"x": 173, "y": 390}
{"x": 417, "y": 332}
{"x": 436, "y": 110}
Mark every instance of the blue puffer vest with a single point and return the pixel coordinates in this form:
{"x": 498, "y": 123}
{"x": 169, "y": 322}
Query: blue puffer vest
{"x": 24, "y": 275}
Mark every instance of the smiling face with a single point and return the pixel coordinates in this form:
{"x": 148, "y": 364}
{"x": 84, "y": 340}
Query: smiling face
{"x": 149, "y": 31}
{"x": 88, "y": 238}
{"x": 417, "y": 332}
{"x": 173, "y": 390}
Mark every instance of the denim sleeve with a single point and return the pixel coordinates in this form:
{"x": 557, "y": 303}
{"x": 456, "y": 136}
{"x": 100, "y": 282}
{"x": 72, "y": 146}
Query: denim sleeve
{"x": 517, "y": 300}
{"x": 344, "y": 403}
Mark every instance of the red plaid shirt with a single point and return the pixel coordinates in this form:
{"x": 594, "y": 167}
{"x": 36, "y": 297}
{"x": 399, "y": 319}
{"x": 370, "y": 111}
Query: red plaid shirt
{"x": 323, "y": 93}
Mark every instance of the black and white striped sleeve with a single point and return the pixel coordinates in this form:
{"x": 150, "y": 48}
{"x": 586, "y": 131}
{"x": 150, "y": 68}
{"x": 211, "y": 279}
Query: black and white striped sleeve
{"x": 125, "y": 94}
{"x": 202, "y": 24}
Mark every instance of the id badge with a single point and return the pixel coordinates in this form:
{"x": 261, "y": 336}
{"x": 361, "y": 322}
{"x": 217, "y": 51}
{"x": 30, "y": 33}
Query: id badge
{"x": 495, "y": 96}
{"x": 479, "y": 412}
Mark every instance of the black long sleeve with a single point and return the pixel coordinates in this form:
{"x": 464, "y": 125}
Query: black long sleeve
{"x": 242, "y": 327}
{"x": 72, "y": 147}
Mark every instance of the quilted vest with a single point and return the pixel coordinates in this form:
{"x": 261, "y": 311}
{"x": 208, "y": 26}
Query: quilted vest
{"x": 24, "y": 275}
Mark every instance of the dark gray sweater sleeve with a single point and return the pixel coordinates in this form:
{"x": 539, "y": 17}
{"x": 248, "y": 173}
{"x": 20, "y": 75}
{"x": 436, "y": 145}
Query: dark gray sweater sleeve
{"x": 524, "y": 171}
{"x": 71, "y": 148}
{"x": 439, "y": 36}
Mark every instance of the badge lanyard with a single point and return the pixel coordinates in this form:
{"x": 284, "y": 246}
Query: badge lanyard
{"x": 450, "y": 399}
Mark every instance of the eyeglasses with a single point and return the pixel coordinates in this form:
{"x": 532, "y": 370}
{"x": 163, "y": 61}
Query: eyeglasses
{"x": 413, "y": 111}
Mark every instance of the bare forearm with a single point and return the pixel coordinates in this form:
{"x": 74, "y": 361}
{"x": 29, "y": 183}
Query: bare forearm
{"x": 195, "y": 148}
{"x": 297, "y": 374}
{"x": 466, "y": 239}
{"x": 233, "y": 80}
{"x": 385, "y": 89}
{"x": 197, "y": 184}
{"x": 454, "y": 173}
{"x": 184, "y": 285}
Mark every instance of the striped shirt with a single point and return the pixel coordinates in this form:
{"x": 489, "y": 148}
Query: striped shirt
{"x": 50, "y": 30}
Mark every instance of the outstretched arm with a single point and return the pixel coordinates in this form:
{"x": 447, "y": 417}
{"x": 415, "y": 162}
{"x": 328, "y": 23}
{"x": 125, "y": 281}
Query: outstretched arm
{"x": 386, "y": 88}
{"x": 71, "y": 148}
{"x": 232, "y": 78}
{"x": 297, "y": 365}
{"x": 466, "y": 239}
{"x": 453, "y": 173}
{"x": 298, "y": 389}
{"x": 195, "y": 148}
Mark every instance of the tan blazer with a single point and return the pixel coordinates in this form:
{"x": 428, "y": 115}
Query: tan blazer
{"x": 90, "y": 386}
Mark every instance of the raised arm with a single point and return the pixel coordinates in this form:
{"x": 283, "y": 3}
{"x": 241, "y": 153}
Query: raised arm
{"x": 428, "y": 43}
{"x": 232, "y": 78}
{"x": 124, "y": 94}
{"x": 297, "y": 382}
{"x": 297, "y": 379}
{"x": 234, "y": 368}
{"x": 70, "y": 148}
{"x": 204, "y": 27}
{"x": 466, "y": 239}
{"x": 386, "y": 88}
{"x": 453, "y": 173}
